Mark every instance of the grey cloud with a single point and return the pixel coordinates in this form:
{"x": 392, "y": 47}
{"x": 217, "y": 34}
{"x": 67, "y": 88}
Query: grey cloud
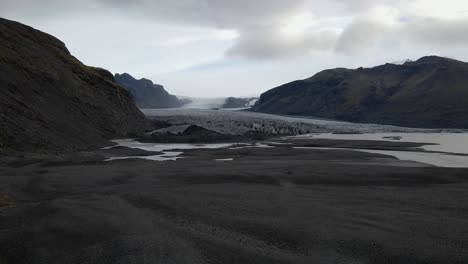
{"x": 269, "y": 43}
{"x": 46, "y": 9}
{"x": 258, "y": 22}
{"x": 437, "y": 32}
{"x": 364, "y": 35}
{"x": 214, "y": 13}
{"x": 359, "y": 36}
{"x": 355, "y": 7}
{"x": 243, "y": 16}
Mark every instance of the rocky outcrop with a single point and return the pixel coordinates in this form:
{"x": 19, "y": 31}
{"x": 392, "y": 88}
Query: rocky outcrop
{"x": 233, "y": 102}
{"x": 51, "y": 101}
{"x": 147, "y": 94}
{"x": 189, "y": 134}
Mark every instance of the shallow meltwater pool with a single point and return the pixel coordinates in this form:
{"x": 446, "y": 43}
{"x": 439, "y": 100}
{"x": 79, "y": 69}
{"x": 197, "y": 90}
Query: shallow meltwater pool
{"x": 440, "y": 149}
{"x": 440, "y": 142}
{"x": 443, "y": 149}
{"x": 169, "y": 152}
{"x": 435, "y": 159}
{"x": 165, "y": 156}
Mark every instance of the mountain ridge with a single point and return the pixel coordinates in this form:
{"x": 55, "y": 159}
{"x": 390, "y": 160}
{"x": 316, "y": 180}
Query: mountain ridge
{"x": 52, "y": 101}
{"x": 431, "y": 92}
{"x": 148, "y": 94}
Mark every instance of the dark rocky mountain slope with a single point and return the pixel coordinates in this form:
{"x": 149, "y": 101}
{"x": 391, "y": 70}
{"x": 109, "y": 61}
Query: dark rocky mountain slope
{"x": 51, "y": 101}
{"x": 147, "y": 94}
{"x": 234, "y": 102}
{"x": 431, "y": 92}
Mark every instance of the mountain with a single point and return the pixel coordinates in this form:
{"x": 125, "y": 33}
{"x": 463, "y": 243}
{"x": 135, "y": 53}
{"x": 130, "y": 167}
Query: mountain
{"x": 431, "y": 92}
{"x": 51, "y": 101}
{"x": 147, "y": 94}
{"x": 233, "y": 102}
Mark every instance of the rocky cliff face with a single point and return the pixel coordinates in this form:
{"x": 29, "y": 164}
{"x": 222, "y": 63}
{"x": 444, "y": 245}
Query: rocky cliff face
{"x": 51, "y": 101}
{"x": 430, "y": 92}
{"x": 147, "y": 94}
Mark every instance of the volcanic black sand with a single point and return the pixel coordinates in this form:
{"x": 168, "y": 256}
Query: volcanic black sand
{"x": 268, "y": 205}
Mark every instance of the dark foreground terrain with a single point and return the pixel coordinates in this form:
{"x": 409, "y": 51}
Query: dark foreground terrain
{"x": 267, "y": 206}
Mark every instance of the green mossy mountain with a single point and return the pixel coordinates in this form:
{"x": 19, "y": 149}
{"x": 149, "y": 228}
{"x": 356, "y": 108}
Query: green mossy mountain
{"x": 431, "y": 92}
{"x": 51, "y": 101}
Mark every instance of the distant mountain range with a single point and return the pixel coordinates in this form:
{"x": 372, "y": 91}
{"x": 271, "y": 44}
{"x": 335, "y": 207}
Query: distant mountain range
{"x": 431, "y": 92}
{"x": 147, "y": 94}
{"x": 234, "y": 102}
{"x": 51, "y": 101}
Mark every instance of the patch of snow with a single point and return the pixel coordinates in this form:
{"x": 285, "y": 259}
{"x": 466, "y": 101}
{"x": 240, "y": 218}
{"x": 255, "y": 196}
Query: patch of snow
{"x": 252, "y": 102}
{"x": 402, "y": 62}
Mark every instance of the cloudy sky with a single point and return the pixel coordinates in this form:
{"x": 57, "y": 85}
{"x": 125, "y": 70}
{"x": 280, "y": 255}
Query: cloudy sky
{"x": 215, "y": 48}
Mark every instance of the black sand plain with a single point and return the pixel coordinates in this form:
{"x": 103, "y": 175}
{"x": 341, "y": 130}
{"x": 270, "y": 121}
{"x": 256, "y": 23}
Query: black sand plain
{"x": 268, "y": 205}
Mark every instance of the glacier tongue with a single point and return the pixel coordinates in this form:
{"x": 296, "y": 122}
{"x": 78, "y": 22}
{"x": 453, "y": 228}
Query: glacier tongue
{"x": 241, "y": 122}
